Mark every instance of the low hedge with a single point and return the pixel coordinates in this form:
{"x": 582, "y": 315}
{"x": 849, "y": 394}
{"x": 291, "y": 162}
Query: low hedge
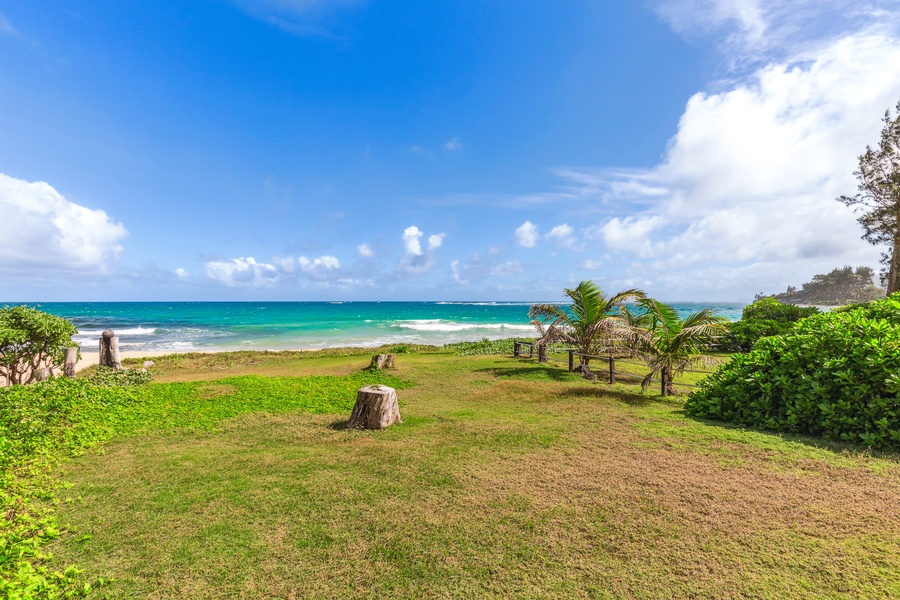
{"x": 834, "y": 375}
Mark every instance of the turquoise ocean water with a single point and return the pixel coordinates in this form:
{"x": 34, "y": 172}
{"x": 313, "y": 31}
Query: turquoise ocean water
{"x": 186, "y": 326}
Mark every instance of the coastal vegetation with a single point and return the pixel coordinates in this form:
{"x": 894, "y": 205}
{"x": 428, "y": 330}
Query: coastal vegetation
{"x": 835, "y": 375}
{"x": 593, "y": 322}
{"x": 29, "y": 340}
{"x": 671, "y": 344}
{"x": 843, "y": 285}
{"x": 764, "y": 317}
{"x": 233, "y": 474}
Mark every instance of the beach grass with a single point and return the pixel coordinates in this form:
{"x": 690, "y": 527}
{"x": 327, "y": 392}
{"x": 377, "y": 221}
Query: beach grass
{"x": 507, "y": 478}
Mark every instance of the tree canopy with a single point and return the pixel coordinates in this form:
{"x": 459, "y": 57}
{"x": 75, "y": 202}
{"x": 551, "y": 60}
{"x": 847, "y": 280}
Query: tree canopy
{"x": 29, "y": 340}
{"x": 843, "y": 285}
{"x": 592, "y": 322}
{"x": 878, "y": 197}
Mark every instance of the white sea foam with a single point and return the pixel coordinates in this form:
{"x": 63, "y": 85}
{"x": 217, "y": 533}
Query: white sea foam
{"x": 120, "y": 332}
{"x": 451, "y": 326}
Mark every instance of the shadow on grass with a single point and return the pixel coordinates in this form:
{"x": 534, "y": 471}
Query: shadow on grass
{"x": 533, "y": 373}
{"x": 603, "y": 391}
{"x": 340, "y": 425}
{"x": 833, "y": 446}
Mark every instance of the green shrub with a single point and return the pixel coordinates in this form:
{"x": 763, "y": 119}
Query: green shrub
{"x": 764, "y": 318}
{"x": 835, "y": 375}
{"x": 772, "y": 309}
{"x": 29, "y": 340}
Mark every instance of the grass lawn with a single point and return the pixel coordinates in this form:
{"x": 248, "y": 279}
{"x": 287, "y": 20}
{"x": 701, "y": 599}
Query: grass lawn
{"x": 506, "y": 479}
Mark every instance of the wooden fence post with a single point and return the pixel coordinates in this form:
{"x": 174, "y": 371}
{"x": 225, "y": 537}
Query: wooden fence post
{"x": 612, "y": 369}
{"x": 542, "y": 353}
{"x": 571, "y": 360}
{"x": 69, "y": 360}
{"x": 516, "y": 349}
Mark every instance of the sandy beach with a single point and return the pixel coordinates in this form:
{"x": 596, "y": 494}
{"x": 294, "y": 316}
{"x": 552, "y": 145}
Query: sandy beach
{"x": 92, "y": 358}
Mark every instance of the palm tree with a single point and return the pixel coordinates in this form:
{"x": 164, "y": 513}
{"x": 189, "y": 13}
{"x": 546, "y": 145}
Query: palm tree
{"x": 592, "y": 323}
{"x": 670, "y": 345}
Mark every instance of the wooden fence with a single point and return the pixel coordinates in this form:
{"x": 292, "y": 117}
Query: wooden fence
{"x": 612, "y": 364}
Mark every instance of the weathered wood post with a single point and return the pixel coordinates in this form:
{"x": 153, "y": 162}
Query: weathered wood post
{"x": 612, "y": 369}
{"x": 109, "y": 350}
{"x": 516, "y": 349}
{"x": 664, "y": 379}
{"x": 70, "y": 358}
{"x": 376, "y": 408}
{"x": 571, "y": 360}
{"x": 542, "y": 353}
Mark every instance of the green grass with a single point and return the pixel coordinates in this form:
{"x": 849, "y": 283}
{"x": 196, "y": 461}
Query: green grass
{"x": 506, "y": 479}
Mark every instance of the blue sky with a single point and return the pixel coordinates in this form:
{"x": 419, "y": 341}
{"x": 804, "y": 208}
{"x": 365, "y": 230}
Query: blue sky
{"x": 377, "y": 150}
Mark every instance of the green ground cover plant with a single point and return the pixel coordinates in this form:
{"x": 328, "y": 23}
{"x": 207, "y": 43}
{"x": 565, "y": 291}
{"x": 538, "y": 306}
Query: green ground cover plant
{"x": 44, "y": 423}
{"x": 835, "y": 375}
{"x": 485, "y": 347}
{"x": 507, "y": 478}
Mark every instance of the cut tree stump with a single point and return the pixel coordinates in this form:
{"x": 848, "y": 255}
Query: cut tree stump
{"x": 43, "y": 374}
{"x": 109, "y": 350}
{"x": 375, "y": 408}
{"x": 382, "y": 361}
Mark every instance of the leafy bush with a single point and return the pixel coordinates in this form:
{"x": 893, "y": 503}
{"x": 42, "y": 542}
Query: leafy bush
{"x": 835, "y": 375}
{"x": 401, "y": 349}
{"x": 765, "y": 317}
{"x": 31, "y": 339}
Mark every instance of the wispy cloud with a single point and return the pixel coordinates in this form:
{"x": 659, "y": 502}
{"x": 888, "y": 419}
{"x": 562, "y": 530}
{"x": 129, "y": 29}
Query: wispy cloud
{"x": 756, "y": 29}
{"x": 7, "y": 29}
{"x": 301, "y": 17}
{"x": 453, "y": 145}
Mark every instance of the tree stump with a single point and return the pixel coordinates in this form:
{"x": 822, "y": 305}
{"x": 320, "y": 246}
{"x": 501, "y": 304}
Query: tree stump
{"x": 43, "y": 374}
{"x": 71, "y": 358}
{"x": 375, "y": 408}
{"x": 109, "y": 350}
{"x": 382, "y": 361}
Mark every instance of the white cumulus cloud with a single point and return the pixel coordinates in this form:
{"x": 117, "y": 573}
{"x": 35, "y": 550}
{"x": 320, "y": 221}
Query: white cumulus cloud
{"x": 527, "y": 235}
{"x": 365, "y": 251}
{"x": 41, "y": 231}
{"x": 181, "y": 273}
{"x": 751, "y": 176}
{"x": 321, "y": 267}
{"x": 563, "y": 235}
{"x": 242, "y": 272}
{"x": 416, "y": 260}
{"x": 285, "y": 264}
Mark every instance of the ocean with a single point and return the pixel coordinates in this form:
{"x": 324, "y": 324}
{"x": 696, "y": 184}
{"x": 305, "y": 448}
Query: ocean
{"x": 211, "y": 326}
